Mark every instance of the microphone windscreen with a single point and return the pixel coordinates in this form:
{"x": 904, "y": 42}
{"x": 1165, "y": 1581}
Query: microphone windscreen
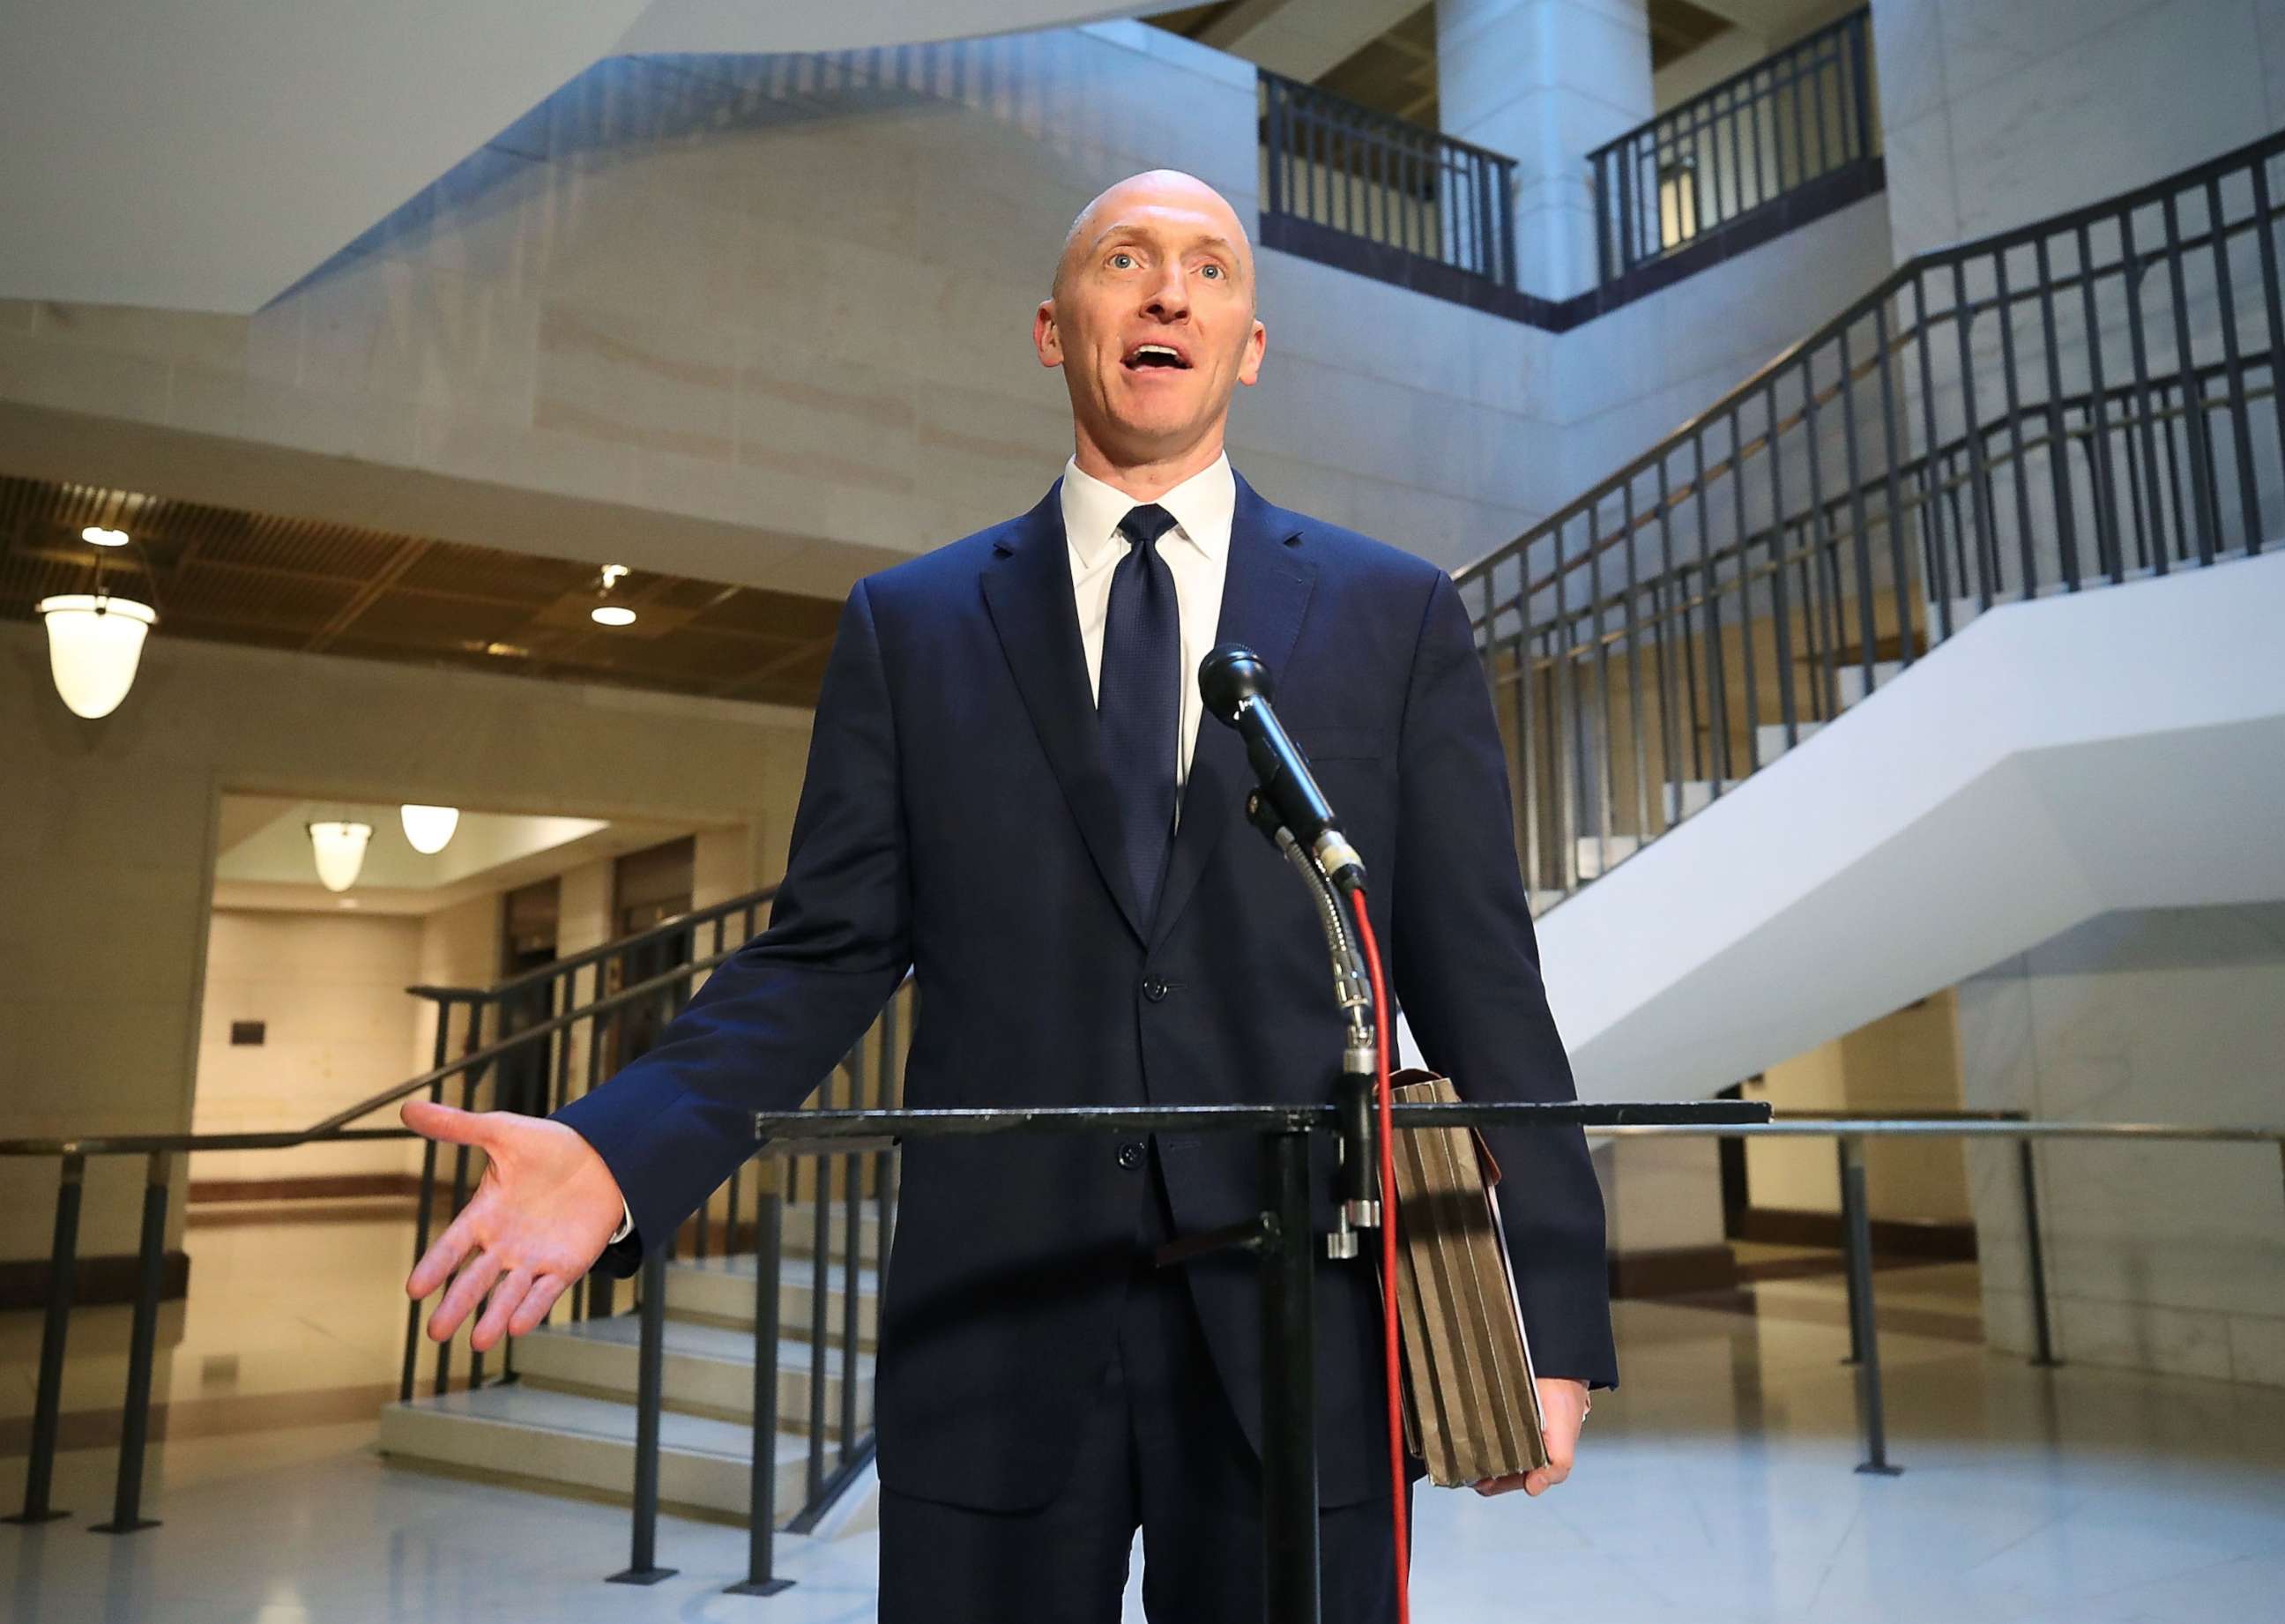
{"x": 1229, "y": 677}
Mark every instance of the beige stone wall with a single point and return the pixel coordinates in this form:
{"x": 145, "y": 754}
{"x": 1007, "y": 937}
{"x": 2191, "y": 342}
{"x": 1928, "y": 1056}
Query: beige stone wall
{"x": 107, "y": 848}
{"x": 330, "y": 991}
{"x": 1902, "y": 1062}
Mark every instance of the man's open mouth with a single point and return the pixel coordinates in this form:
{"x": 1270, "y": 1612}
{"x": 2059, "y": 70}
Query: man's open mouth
{"x": 1154, "y": 355}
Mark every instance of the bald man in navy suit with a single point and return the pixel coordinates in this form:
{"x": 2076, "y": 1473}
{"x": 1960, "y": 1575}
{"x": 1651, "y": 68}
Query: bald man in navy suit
{"x": 1009, "y": 793}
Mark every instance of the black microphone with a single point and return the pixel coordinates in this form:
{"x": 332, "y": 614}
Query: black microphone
{"x": 1236, "y": 686}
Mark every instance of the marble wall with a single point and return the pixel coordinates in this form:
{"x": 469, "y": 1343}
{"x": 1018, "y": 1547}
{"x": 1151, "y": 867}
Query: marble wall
{"x": 766, "y": 319}
{"x": 1995, "y": 112}
{"x": 2166, "y": 1257}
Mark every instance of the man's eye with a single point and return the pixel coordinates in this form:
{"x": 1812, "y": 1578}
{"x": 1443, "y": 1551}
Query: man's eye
{"x": 1210, "y": 270}
{"x": 1120, "y": 261}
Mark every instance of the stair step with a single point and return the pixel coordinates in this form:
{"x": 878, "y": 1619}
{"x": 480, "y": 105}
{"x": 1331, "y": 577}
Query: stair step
{"x": 707, "y": 1369}
{"x": 575, "y": 1441}
{"x": 1688, "y": 799}
{"x": 721, "y": 1291}
{"x": 1850, "y": 680}
{"x": 799, "y": 1224}
{"x": 1597, "y": 856}
{"x": 1770, "y": 737}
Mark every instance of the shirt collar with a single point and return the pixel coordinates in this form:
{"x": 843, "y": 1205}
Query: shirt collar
{"x": 1203, "y": 507}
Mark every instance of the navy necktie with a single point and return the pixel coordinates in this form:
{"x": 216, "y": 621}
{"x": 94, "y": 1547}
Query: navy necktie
{"x": 1139, "y": 699}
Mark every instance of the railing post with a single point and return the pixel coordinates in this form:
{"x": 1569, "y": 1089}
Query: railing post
{"x": 1289, "y": 1417}
{"x": 762, "y": 1505}
{"x": 853, "y": 1237}
{"x": 1866, "y": 1331}
{"x": 422, "y": 1219}
{"x": 1848, "y": 1251}
{"x": 135, "y": 1419}
{"x": 2035, "y": 1255}
{"x": 1273, "y": 94}
{"x": 1858, "y": 53}
{"x": 1603, "y": 204}
{"x": 63, "y": 1257}
{"x": 643, "y": 1569}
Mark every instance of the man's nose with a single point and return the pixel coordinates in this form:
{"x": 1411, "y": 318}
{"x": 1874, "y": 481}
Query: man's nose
{"x": 1170, "y": 295}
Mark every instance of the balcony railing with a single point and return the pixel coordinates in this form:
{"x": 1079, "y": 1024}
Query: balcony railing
{"x": 2061, "y": 406}
{"x": 1794, "y": 134}
{"x": 1348, "y": 184}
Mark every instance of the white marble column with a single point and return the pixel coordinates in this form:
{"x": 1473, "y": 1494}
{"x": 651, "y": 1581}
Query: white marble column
{"x": 1545, "y": 82}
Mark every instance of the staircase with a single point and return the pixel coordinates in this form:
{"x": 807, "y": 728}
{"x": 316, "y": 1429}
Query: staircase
{"x": 566, "y": 1420}
{"x": 2035, "y": 486}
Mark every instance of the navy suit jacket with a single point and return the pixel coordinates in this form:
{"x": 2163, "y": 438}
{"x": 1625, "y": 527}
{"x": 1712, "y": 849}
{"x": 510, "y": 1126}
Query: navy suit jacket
{"x": 957, "y": 819}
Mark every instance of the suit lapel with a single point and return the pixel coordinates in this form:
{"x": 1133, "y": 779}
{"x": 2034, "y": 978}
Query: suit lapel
{"x": 1027, "y": 588}
{"x": 1265, "y": 592}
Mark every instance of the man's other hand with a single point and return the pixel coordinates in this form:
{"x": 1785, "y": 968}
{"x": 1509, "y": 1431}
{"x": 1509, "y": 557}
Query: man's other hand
{"x": 1564, "y": 1403}
{"x": 541, "y": 1215}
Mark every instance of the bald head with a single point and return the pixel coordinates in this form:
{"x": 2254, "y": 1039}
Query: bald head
{"x": 1154, "y": 191}
{"x": 1151, "y": 320}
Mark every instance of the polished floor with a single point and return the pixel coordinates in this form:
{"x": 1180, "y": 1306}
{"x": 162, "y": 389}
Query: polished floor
{"x": 1715, "y": 1487}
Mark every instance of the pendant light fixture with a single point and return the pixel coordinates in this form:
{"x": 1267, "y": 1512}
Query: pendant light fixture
{"x": 95, "y": 640}
{"x": 339, "y": 851}
{"x": 430, "y": 828}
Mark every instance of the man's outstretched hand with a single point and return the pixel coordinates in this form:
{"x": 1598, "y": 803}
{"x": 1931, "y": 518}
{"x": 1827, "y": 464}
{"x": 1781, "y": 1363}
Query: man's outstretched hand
{"x": 1565, "y": 1403}
{"x": 541, "y": 1215}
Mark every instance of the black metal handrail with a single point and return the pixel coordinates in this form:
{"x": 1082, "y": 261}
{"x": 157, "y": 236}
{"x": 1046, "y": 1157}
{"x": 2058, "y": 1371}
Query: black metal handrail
{"x": 851, "y": 1133}
{"x": 1798, "y": 117}
{"x": 2073, "y": 403}
{"x": 1339, "y": 166}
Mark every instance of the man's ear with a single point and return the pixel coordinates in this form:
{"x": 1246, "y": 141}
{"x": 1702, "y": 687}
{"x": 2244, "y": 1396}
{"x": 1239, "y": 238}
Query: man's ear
{"x": 1045, "y": 337}
{"x": 1249, "y": 364}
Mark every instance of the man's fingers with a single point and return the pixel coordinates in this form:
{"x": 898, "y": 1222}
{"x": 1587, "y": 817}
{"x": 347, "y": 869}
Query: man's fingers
{"x": 507, "y": 1296}
{"x": 535, "y": 1304}
{"x": 467, "y": 1290}
{"x": 443, "y": 1256}
{"x": 448, "y": 1123}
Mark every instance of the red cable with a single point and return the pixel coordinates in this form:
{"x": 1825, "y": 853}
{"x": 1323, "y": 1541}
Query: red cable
{"x": 1388, "y": 1323}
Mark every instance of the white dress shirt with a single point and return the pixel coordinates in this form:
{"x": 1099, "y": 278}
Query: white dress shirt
{"x": 1197, "y": 551}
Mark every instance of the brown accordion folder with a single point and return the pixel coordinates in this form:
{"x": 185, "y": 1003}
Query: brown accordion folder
{"x": 1472, "y": 1407}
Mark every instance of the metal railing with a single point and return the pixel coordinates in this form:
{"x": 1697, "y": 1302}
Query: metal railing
{"x": 1796, "y": 120}
{"x": 557, "y": 1043}
{"x": 2072, "y": 403}
{"x": 1335, "y": 166}
{"x": 1849, "y": 1135}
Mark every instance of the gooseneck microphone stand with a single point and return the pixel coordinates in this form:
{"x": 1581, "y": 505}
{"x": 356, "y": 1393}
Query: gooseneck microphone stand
{"x": 1281, "y": 1237}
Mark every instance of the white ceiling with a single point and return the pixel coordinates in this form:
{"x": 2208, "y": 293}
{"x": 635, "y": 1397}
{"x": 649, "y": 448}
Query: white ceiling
{"x": 264, "y": 856}
{"x": 206, "y": 157}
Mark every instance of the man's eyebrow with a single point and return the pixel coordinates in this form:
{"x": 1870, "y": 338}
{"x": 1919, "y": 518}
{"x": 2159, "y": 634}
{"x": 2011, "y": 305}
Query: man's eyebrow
{"x": 1135, "y": 228}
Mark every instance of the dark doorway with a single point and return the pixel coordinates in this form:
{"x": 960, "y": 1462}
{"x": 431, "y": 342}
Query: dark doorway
{"x": 528, "y": 922}
{"x": 649, "y": 889}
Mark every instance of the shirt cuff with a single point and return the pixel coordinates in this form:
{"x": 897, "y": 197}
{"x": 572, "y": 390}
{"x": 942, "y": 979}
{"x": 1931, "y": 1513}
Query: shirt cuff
{"x": 626, "y": 1223}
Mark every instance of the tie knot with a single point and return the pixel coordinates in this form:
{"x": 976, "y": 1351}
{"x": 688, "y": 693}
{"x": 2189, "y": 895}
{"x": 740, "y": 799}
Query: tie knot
{"x": 1145, "y": 524}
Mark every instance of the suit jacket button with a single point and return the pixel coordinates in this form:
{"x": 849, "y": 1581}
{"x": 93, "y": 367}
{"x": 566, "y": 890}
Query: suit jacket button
{"x": 1130, "y": 1157}
{"x": 1154, "y": 988}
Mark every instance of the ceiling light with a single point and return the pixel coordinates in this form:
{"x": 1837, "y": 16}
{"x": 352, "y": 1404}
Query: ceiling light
{"x": 94, "y": 642}
{"x": 102, "y": 538}
{"x": 340, "y": 851}
{"x": 606, "y": 613}
{"x": 430, "y": 828}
